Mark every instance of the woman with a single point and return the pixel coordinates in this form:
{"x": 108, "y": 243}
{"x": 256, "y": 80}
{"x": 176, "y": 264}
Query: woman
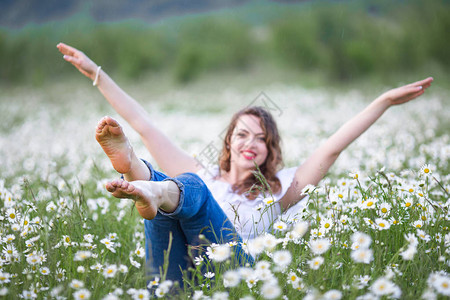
{"x": 218, "y": 204}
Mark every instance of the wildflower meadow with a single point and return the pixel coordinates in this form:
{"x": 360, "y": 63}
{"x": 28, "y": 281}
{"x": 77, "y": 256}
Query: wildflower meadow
{"x": 377, "y": 226}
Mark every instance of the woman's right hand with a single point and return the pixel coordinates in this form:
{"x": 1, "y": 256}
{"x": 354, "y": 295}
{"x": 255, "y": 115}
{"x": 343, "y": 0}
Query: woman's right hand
{"x": 77, "y": 58}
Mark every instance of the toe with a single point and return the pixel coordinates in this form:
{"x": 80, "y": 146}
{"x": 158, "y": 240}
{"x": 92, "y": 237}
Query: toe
{"x": 110, "y": 187}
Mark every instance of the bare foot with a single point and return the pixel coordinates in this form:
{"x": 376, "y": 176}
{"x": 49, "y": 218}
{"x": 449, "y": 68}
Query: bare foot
{"x": 110, "y": 136}
{"x": 146, "y": 203}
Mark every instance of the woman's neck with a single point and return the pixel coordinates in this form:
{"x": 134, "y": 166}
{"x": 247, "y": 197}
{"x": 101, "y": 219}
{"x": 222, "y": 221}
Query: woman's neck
{"x": 234, "y": 176}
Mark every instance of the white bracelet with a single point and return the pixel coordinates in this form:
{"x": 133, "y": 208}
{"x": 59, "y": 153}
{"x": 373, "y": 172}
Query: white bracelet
{"x": 96, "y": 76}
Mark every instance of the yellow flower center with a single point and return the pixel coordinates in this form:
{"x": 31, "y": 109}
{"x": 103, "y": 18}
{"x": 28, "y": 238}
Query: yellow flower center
{"x": 408, "y": 204}
{"x": 395, "y": 222}
{"x": 384, "y": 210}
{"x": 110, "y": 271}
{"x": 420, "y": 194}
{"x": 411, "y": 190}
{"x": 418, "y": 226}
{"x": 327, "y": 225}
{"x": 424, "y": 218}
{"x": 381, "y": 225}
{"x": 12, "y": 216}
{"x": 293, "y": 277}
{"x": 370, "y": 203}
{"x": 341, "y": 196}
{"x": 426, "y": 170}
{"x": 67, "y": 239}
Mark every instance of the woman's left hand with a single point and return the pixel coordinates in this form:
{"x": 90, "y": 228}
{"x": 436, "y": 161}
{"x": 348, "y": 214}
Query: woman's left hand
{"x": 407, "y": 92}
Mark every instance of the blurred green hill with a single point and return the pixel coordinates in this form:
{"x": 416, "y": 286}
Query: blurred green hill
{"x": 341, "y": 40}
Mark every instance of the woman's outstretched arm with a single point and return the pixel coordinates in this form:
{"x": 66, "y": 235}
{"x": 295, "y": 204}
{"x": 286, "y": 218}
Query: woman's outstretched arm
{"x": 317, "y": 165}
{"x": 168, "y": 156}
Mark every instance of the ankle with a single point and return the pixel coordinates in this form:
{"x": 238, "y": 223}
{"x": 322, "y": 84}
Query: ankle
{"x": 138, "y": 169}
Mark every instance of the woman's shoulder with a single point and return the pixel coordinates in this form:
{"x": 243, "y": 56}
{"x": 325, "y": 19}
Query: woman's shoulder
{"x": 286, "y": 176}
{"x": 210, "y": 173}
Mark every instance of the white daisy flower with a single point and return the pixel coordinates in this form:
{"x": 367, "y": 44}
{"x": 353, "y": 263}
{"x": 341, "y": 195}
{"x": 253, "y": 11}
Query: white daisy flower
{"x": 270, "y": 290}
{"x": 426, "y": 170}
{"x": 110, "y": 271}
{"x": 282, "y": 258}
{"x": 144, "y": 294}
{"x": 218, "y": 253}
{"x": 76, "y": 284}
{"x": 409, "y": 253}
{"x": 140, "y": 251}
{"x": 301, "y": 228}
{"x": 332, "y": 295}
{"x": 319, "y": 246}
{"x": 82, "y": 255}
{"x": 418, "y": 224}
{"x": 12, "y": 215}
{"x": 231, "y": 278}
{"x": 362, "y": 255}
{"x": 45, "y": 271}
{"x": 362, "y": 239}
{"x": 382, "y": 224}
{"x": 280, "y": 226}
{"x": 316, "y": 262}
{"x": 369, "y": 203}
{"x": 220, "y": 296}
{"x": 382, "y": 287}
{"x": 442, "y": 284}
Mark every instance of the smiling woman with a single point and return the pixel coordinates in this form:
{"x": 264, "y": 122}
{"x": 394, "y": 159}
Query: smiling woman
{"x": 252, "y": 138}
{"x": 186, "y": 204}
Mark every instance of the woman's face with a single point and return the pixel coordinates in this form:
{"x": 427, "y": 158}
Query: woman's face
{"x": 248, "y": 143}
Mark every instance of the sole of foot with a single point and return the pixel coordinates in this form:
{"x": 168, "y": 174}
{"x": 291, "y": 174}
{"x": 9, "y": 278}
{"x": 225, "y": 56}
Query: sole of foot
{"x": 110, "y": 136}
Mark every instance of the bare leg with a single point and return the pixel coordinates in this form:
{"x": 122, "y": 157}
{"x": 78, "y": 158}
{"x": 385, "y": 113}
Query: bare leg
{"x": 147, "y": 195}
{"x": 110, "y": 136}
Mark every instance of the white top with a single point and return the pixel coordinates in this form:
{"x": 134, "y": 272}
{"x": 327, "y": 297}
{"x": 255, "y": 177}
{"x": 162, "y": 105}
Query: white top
{"x": 250, "y": 217}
